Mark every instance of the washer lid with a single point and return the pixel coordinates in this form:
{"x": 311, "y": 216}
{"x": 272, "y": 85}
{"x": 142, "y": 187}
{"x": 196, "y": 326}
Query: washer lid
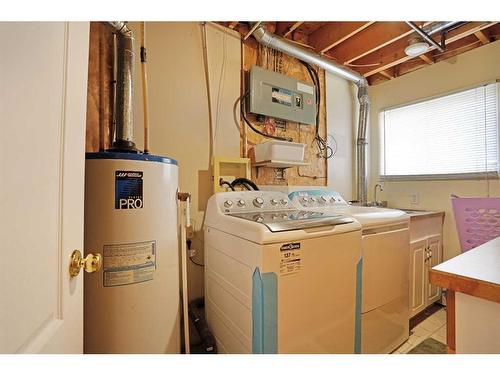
{"x": 280, "y": 221}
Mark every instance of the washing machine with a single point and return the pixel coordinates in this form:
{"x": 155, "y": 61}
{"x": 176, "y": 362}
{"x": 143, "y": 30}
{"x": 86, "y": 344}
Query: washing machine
{"x": 279, "y": 279}
{"x": 385, "y": 268}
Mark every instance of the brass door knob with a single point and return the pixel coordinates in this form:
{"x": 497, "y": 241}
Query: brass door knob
{"x": 91, "y": 263}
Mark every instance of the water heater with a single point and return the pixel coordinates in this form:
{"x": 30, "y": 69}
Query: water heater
{"x": 132, "y": 304}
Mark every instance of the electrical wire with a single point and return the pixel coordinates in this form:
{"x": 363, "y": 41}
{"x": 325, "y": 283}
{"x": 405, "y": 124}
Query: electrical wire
{"x": 249, "y": 184}
{"x": 325, "y": 151}
{"x": 198, "y": 264}
{"x": 243, "y": 111}
{"x": 223, "y": 182}
{"x": 188, "y": 245}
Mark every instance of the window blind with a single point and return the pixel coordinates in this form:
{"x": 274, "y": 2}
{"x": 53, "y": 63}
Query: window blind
{"x": 450, "y": 135}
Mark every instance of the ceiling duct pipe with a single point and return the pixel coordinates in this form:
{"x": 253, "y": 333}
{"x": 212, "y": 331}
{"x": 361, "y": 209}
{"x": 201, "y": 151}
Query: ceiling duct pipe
{"x": 283, "y": 45}
{"x": 124, "y": 140}
{"x": 434, "y": 28}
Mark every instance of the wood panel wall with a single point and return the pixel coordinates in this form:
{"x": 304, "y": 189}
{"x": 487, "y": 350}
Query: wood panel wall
{"x": 315, "y": 173}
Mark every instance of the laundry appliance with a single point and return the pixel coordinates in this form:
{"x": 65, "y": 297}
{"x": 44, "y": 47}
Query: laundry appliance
{"x": 279, "y": 279}
{"x": 385, "y": 267}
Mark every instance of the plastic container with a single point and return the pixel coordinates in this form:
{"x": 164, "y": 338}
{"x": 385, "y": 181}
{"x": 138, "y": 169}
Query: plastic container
{"x": 279, "y": 150}
{"x": 477, "y": 219}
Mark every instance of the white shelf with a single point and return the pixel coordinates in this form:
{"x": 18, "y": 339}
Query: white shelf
{"x": 279, "y": 164}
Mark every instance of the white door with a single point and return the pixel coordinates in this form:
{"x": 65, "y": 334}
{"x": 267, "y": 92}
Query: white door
{"x": 43, "y": 94}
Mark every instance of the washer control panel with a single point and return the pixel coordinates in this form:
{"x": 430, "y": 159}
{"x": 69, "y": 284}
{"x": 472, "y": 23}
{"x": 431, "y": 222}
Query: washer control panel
{"x": 253, "y": 201}
{"x": 317, "y": 198}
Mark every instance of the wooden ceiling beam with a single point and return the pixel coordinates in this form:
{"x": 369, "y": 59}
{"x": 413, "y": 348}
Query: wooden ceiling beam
{"x": 334, "y": 33}
{"x": 283, "y": 27}
{"x": 375, "y": 37}
{"x": 427, "y": 57}
{"x": 233, "y": 24}
{"x": 386, "y": 74}
{"x": 483, "y": 38}
{"x": 394, "y": 54}
{"x": 292, "y": 28}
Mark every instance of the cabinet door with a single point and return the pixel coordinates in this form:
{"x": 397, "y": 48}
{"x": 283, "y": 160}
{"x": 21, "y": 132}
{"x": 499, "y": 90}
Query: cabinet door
{"x": 435, "y": 246}
{"x": 417, "y": 276}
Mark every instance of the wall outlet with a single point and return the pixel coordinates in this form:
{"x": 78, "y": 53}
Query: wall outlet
{"x": 414, "y": 198}
{"x": 191, "y": 253}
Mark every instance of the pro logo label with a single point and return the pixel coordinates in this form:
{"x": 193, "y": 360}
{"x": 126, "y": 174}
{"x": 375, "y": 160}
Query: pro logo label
{"x": 128, "y": 190}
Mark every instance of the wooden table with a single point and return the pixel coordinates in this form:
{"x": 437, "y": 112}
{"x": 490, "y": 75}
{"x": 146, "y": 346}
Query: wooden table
{"x": 475, "y": 273}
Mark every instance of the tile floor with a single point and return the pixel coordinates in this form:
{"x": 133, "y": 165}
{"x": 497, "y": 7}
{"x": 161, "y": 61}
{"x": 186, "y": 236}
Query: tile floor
{"x": 434, "y": 326}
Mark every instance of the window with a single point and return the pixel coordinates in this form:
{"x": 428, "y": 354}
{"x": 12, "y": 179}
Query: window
{"x": 452, "y": 136}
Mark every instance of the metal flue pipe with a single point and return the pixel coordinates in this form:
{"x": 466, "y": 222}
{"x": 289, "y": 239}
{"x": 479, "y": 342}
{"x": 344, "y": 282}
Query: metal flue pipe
{"x": 124, "y": 140}
{"x": 426, "y": 31}
{"x": 283, "y": 45}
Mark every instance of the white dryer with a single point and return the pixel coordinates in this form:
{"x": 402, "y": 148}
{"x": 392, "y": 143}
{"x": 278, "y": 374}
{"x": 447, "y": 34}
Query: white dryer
{"x": 279, "y": 279}
{"x": 385, "y": 281}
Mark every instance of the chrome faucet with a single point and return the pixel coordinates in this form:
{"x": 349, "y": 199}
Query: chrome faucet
{"x": 375, "y": 201}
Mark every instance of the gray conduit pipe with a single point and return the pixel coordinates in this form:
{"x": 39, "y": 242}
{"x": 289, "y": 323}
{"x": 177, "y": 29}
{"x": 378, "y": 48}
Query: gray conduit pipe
{"x": 280, "y": 44}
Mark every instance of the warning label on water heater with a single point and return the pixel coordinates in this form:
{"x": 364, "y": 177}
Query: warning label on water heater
{"x": 290, "y": 255}
{"x": 129, "y": 263}
{"x": 128, "y": 190}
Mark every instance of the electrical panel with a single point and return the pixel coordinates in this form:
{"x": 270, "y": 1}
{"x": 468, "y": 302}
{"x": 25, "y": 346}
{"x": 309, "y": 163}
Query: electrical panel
{"x": 277, "y": 95}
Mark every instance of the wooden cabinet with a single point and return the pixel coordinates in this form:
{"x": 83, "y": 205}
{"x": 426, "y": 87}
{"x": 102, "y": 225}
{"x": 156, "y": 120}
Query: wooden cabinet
{"x": 426, "y": 251}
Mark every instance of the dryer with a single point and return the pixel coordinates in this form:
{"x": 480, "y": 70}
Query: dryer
{"x": 385, "y": 280}
{"x": 280, "y": 279}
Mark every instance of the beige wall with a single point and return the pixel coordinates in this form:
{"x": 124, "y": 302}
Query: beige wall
{"x": 470, "y": 68}
{"x": 179, "y": 111}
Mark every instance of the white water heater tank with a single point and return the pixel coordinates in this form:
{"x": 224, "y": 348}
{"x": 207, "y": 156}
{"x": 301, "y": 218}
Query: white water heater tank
{"x": 132, "y": 304}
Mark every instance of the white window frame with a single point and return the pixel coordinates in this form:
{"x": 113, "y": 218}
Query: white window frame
{"x": 430, "y": 177}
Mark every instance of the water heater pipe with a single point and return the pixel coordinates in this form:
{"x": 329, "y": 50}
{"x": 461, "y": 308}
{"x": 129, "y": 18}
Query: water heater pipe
{"x": 144, "y": 87}
{"x": 184, "y": 217}
{"x": 281, "y": 44}
{"x": 124, "y": 88}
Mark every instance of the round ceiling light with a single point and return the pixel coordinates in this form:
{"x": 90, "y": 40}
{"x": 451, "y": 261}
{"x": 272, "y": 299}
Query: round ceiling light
{"x": 416, "y": 46}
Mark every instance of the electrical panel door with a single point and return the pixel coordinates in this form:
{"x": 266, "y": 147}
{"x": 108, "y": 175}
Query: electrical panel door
{"x": 277, "y": 95}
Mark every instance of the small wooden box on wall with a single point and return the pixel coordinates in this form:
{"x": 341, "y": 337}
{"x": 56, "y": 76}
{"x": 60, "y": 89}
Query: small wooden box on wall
{"x": 229, "y": 169}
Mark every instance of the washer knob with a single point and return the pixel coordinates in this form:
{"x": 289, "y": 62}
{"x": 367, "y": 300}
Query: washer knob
{"x": 258, "y": 218}
{"x": 274, "y": 202}
{"x": 283, "y": 201}
{"x": 241, "y": 203}
{"x": 303, "y": 200}
{"x": 258, "y": 202}
{"x": 332, "y": 199}
{"x": 228, "y": 203}
{"x": 312, "y": 200}
{"x": 323, "y": 199}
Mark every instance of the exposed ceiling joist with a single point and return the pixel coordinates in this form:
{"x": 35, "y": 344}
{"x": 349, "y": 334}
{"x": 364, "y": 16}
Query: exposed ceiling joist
{"x": 386, "y": 74}
{"x": 481, "y": 35}
{"x": 377, "y": 36}
{"x": 334, "y": 33}
{"x": 427, "y": 57}
{"x": 394, "y": 54}
{"x": 233, "y": 24}
{"x": 292, "y": 28}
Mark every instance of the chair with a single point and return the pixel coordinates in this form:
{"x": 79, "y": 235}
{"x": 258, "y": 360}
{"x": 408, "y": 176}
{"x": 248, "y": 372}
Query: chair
{"x": 477, "y": 219}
